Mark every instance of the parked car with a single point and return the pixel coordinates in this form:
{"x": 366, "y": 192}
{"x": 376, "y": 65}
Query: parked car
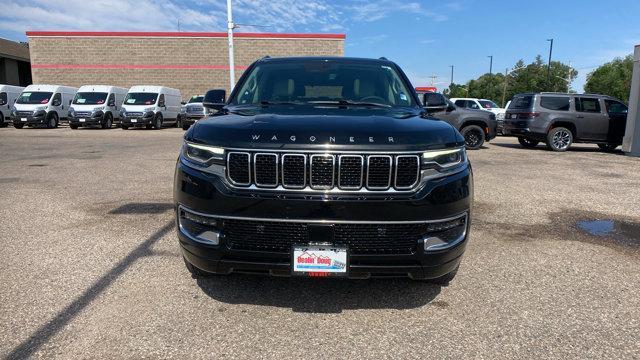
{"x": 483, "y": 104}
{"x": 42, "y": 105}
{"x": 192, "y": 111}
{"x": 8, "y": 95}
{"x": 476, "y": 126}
{"x": 150, "y": 106}
{"x": 322, "y": 166}
{"x": 560, "y": 119}
{"x": 96, "y": 105}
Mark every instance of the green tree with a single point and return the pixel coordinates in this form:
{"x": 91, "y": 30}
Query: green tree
{"x": 520, "y": 79}
{"x": 612, "y": 78}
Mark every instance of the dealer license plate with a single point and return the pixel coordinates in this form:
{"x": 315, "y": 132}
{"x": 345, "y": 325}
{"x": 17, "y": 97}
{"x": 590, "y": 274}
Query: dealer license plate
{"x": 23, "y": 119}
{"x": 319, "y": 260}
{"x": 83, "y": 120}
{"x": 134, "y": 120}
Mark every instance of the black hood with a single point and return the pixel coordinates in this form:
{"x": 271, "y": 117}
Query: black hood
{"x": 309, "y": 127}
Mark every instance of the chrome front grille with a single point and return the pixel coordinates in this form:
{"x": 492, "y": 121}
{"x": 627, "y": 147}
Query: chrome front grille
{"x": 323, "y": 172}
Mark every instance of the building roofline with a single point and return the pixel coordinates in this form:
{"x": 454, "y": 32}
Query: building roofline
{"x": 182, "y": 34}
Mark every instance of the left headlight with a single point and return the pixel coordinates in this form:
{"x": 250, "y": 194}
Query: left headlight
{"x": 203, "y": 155}
{"x": 439, "y": 163}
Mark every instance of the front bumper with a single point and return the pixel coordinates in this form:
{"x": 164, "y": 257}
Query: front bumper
{"x": 30, "y": 119}
{"x": 137, "y": 120}
{"x": 208, "y": 194}
{"x": 90, "y": 119}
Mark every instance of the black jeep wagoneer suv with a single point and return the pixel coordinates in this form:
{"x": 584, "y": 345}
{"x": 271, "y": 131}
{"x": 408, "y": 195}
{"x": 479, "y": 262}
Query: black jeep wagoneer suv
{"x": 323, "y": 167}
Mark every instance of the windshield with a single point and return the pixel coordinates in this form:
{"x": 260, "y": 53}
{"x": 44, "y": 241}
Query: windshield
{"x": 36, "y": 97}
{"x": 196, "y": 99}
{"x": 90, "y": 98}
{"x": 522, "y": 102}
{"x": 140, "y": 99}
{"x": 487, "y": 104}
{"x": 322, "y": 81}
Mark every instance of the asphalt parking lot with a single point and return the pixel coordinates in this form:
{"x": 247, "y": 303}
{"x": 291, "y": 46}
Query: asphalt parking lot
{"x": 90, "y": 264}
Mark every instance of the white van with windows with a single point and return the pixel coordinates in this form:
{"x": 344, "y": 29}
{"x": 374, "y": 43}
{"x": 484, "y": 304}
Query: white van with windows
{"x": 42, "y": 105}
{"x": 150, "y": 106}
{"x": 96, "y": 105}
{"x": 8, "y": 95}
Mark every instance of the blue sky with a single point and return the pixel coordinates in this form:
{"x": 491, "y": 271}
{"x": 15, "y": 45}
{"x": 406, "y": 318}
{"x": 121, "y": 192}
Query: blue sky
{"x": 424, "y": 37}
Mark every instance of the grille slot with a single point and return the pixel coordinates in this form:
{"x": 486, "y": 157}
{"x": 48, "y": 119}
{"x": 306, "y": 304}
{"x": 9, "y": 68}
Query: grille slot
{"x": 407, "y": 171}
{"x": 294, "y": 171}
{"x": 361, "y": 239}
{"x": 238, "y": 168}
{"x": 83, "y": 113}
{"x": 378, "y": 172}
{"x": 349, "y": 172}
{"x": 350, "y": 169}
{"x": 322, "y": 171}
{"x": 265, "y": 169}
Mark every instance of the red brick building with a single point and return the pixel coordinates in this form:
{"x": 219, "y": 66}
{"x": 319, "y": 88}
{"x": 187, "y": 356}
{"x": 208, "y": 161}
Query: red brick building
{"x": 190, "y": 61}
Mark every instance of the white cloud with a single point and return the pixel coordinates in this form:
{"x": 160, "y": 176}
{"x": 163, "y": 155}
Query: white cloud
{"x": 369, "y": 11}
{"x": 20, "y": 16}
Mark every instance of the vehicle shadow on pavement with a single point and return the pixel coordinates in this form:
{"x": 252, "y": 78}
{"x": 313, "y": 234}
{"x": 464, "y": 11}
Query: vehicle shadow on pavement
{"x": 42, "y": 335}
{"x": 542, "y": 147}
{"x": 307, "y": 295}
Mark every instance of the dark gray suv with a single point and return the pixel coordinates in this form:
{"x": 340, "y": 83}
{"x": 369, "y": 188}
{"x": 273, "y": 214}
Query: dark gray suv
{"x": 476, "y": 126}
{"x": 560, "y": 119}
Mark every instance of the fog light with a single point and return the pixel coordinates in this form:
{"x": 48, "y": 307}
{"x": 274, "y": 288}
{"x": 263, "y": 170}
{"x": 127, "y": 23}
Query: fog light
{"x": 445, "y": 234}
{"x": 199, "y": 228}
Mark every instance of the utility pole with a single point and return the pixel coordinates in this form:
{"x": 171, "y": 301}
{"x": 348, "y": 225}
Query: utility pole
{"x": 549, "y": 64}
{"x": 230, "y": 27}
{"x": 504, "y": 89}
{"x": 451, "y": 66}
{"x": 433, "y": 77}
{"x": 490, "y": 75}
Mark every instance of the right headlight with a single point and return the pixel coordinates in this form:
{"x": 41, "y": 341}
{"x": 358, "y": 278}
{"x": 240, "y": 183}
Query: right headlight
{"x": 203, "y": 155}
{"x": 439, "y": 163}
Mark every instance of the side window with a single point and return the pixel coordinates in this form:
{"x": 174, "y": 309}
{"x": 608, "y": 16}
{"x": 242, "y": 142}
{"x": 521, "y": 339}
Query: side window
{"x": 460, "y": 103}
{"x": 472, "y": 104}
{"x": 111, "y": 101}
{"x": 57, "y": 100}
{"x": 615, "y": 107}
{"x": 560, "y": 103}
{"x": 589, "y": 105}
{"x": 3, "y": 98}
{"x": 161, "y": 100}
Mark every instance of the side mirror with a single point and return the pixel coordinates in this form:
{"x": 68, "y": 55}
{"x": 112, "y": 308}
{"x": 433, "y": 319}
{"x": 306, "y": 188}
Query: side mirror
{"x": 183, "y": 103}
{"x": 214, "y": 99}
{"x": 112, "y": 103}
{"x": 434, "y": 103}
{"x": 56, "y": 103}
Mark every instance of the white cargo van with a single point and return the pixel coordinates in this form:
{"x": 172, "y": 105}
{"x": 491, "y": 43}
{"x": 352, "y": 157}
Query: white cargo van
{"x": 42, "y": 105}
{"x": 8, "y": 95}
{"x": 96, "y": 105}
{"x": 150, "y": 106}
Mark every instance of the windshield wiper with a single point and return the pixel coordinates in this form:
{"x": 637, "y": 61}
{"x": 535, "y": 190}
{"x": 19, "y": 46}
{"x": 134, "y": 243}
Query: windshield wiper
{"x": 349, "y": 103}
{"x": 267, "y": 103}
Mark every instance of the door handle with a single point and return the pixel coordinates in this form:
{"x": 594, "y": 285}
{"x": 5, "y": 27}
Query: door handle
{"x": 579, "y": 116}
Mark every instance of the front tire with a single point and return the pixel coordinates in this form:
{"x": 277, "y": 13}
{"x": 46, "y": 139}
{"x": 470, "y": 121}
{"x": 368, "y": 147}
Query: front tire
{"x": 124, "y": 127}
{"x": 52, "y": 120}
{"x": 559, "y": 139}
{"x": 528, "y": 143}
{"x": 18, "y": 126}
{"x": 473, "y": 137}
{"x": 2, "y": 120}
{"x": 185, "y": 126}
{"x": 157, "y": 123}
{"x": 73, "y": 127}
{"x": 108, "y": 122}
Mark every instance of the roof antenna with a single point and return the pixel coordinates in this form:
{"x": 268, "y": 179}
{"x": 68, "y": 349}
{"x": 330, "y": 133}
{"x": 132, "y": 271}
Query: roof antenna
{"x": 382, "y": 58}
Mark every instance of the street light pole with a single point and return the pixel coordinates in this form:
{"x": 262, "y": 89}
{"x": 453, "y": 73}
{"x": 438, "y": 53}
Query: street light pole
{"x": 549, "y": 64}
{"x": 230, "y": 26}
{"x": 451, "y": 66}
{"x": 504, "y": 89}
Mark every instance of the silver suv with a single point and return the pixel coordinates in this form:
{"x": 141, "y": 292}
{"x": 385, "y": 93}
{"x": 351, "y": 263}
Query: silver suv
{"x": 560, "y": 119}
